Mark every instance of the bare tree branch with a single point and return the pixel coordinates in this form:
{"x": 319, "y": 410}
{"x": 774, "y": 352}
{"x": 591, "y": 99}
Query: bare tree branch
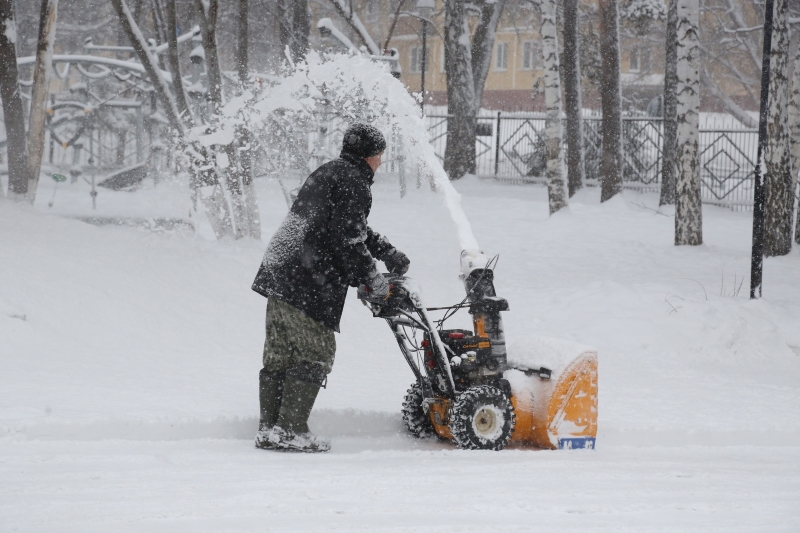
{"x": 345, "y": 9}
{"x": 394, "y": 23}
{"x": 727, "y": 102}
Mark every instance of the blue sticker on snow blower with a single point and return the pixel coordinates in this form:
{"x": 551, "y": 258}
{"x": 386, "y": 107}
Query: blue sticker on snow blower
{"x": 59, "y": 178}
{"x": 576, "y": 443}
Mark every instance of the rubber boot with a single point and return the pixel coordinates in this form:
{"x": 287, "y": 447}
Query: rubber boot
{"x": 270, "y": 390}
{"x": 291, "y": 430}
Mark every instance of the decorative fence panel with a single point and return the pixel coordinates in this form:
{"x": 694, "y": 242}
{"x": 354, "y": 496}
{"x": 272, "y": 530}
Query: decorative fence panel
{"x": 511, "y": 148}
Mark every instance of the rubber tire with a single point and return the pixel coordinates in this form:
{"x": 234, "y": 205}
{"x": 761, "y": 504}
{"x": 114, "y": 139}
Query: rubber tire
{"x": 417, "y": 421}
{"x": 486, "y": 400}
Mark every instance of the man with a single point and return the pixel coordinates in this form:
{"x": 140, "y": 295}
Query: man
{"x": 323, "y": 246}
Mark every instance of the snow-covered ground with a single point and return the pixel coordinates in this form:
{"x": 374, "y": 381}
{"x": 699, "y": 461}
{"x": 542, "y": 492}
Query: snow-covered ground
{"x": 128, "y": 390}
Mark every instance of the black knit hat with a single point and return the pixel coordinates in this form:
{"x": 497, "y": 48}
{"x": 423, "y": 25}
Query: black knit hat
{"x": 363, "y": 140}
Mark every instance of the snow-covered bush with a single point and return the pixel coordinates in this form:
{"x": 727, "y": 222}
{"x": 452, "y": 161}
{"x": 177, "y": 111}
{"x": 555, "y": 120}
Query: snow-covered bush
{"x": 644, "y": 9}
{"x": 641, "y": 13}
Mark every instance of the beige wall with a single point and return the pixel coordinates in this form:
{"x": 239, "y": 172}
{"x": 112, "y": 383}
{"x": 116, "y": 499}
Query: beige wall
{"x": 514, "y": 85}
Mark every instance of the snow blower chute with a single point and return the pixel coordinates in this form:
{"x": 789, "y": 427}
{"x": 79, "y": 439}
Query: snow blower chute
{"x": 467, "y": 387}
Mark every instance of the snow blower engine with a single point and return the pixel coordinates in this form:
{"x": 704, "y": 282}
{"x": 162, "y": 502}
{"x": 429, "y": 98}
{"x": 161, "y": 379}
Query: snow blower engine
{"x": 465, "y": 388}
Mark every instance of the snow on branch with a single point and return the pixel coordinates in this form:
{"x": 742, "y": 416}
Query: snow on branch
{"x": 643, "y": 9}
{"x": 10, "y": 31}
{"x": 354, "y": 21}
{"x": 744, "y": 30}
{"x": 327, "y": 25}
{"x": 149, "y": 63}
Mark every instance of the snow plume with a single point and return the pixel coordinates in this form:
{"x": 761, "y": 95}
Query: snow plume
{"x": 314, "y": 94}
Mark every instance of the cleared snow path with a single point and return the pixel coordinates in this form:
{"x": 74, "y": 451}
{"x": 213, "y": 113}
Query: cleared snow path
{"x": 371, "y": 485}
{"x": 128, "y": 389}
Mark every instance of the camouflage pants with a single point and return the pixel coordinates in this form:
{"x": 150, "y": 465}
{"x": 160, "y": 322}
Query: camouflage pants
{"x": 295, "y": 339}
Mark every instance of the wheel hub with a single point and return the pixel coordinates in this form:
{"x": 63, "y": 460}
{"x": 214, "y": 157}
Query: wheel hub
{"x": 486, "y": 422}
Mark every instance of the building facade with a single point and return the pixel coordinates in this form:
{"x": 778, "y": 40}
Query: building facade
{"x": 515, "y": 81}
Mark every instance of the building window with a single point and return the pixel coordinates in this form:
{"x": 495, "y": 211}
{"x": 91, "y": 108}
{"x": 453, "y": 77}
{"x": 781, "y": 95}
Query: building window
{"x": 644, "y": 59}
{"x": 415, "y": 65}
{"x": 633, "y": 60}
{"x": 501, "y": 56}
{"x": 530, "y": 55}
{"x": 639, "y": 59}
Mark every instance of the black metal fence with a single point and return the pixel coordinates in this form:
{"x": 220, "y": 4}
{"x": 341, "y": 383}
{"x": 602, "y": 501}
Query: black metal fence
{"x": 511, "y": 148}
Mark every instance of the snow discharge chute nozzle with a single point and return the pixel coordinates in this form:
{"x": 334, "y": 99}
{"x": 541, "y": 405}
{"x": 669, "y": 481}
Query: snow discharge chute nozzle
{"x": 485, "y": 306}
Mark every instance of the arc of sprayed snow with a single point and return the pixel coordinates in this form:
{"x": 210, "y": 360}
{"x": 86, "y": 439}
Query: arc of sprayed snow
{"x": 452, "y": 200}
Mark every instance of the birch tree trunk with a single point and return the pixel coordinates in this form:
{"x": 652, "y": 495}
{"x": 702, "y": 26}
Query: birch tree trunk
{"x": 778, "y": 176}
{"x": 572, "y": 97}
{"x": 688, "y": 206}
{"x": 670, "y": 119}
{"x": 13, "y": 114}
{"x": 794, "y": 133}
{"x": 459, "y": 153}
{"x": 293, "y": 27}
{"x": 552, "y": 96}
{"x": 611, "y": 100}
{"x": 213, "y": 198}
{"x": 41, "y": 87}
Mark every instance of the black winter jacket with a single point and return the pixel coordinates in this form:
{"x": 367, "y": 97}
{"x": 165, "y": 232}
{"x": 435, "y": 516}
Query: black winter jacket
{"x": 324, "y": 244}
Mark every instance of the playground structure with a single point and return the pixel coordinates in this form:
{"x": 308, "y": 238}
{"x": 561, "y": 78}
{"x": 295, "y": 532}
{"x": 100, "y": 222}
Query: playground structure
{"x": 103, "y": 122}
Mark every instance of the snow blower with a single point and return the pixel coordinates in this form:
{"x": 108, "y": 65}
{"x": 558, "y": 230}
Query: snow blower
{"x": 467, "y": 390}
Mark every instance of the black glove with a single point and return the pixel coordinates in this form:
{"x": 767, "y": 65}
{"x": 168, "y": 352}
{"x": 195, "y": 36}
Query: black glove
{"x": 396, "y": 261}
{"x": 378, "y": 286}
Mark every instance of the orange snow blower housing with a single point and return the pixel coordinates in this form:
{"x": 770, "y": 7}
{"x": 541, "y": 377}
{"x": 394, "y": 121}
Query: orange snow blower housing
{"x": 557, "y": 412}
{"x": 470, "y": 390}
